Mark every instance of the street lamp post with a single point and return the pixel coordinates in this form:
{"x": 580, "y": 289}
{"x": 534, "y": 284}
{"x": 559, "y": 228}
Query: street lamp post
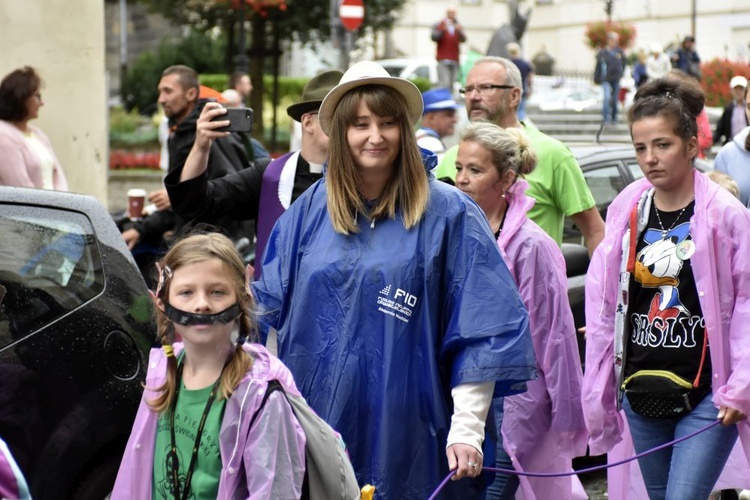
{"x": 241, "y": 61}
{"x": 692, "y": 17}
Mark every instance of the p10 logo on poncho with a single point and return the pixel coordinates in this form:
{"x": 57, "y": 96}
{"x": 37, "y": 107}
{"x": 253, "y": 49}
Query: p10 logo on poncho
{"x": 400, "y": 306}
{"x": 409, "y": 299}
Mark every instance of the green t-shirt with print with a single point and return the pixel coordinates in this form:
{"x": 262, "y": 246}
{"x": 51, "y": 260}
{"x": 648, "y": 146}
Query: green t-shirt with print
{"x": 557, "y": 184}
{"x": 188, "y": 413}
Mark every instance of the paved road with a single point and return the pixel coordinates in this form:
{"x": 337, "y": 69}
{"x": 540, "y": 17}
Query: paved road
{"x": 595, "y": 484}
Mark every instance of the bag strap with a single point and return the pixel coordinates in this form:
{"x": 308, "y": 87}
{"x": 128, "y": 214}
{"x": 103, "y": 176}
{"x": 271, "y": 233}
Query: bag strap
{"x": 633, "y": 239}
{"x": 273, "y": 386}
{"x": 696, "y": 382}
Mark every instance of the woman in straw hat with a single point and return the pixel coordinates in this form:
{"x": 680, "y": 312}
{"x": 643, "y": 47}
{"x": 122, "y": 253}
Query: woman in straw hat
{"x": 394, "y": 309}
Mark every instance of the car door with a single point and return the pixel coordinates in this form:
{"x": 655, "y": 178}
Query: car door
{"x": 75, "y": 329}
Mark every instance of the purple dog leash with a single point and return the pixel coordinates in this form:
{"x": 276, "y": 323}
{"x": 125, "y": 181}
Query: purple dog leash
{"x": 590, "y": 469}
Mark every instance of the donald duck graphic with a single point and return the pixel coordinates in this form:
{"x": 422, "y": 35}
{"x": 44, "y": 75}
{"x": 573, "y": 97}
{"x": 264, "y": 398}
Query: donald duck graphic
{"x": 658, "y": 266}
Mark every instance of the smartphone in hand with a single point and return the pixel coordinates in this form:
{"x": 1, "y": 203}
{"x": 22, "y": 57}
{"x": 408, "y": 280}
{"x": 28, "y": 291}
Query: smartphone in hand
{"x": 240, "y": 120}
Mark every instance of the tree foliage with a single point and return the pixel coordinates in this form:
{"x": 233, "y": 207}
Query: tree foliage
{"x": 271, "y": 21}
{"x": 304, "y": 20}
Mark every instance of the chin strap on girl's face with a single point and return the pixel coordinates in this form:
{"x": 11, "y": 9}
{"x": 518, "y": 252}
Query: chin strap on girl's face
{"x": 185, "y": 318}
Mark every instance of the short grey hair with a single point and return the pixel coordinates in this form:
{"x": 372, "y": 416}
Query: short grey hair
{"x": 512, "y": 73}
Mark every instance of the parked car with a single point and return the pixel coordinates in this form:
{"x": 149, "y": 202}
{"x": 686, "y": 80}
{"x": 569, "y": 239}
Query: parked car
{"x": 566, "y": 99}
{"x": 411, "y": 68}
{"x": 75, "y": 330}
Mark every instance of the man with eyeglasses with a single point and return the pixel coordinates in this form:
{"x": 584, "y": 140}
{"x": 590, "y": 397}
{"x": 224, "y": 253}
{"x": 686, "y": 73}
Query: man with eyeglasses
{"x": 265, "y": 190}
{"x": 493, "y": 91}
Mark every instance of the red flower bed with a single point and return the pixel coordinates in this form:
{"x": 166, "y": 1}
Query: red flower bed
{"x": 716, "y": 76}
{"x": 125, "y": 160}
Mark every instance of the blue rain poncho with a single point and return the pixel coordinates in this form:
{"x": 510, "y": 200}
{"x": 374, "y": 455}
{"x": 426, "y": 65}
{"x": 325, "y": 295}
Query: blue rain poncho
{"x": 378, "y": 326}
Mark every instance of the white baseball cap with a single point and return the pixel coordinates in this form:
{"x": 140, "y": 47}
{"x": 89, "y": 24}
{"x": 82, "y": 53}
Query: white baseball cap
{"x": 738, "y": 81}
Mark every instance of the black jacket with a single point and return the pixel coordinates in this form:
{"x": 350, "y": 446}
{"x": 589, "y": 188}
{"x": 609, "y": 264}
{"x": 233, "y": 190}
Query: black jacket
{"x": 724, "y": 127}
{"x": 610, "y": 65}
{"x": 228, "y": 155}
{"x": 237, "y": 195}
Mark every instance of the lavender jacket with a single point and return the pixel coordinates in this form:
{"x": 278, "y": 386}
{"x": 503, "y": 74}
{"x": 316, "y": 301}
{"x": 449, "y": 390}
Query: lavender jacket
{"x": 721, "y": 264}
{"x": 265, "y": 461}
{"x": 20, "y": 166}
{"x": 543, "y": 428}
{"x": 12, "y": 482}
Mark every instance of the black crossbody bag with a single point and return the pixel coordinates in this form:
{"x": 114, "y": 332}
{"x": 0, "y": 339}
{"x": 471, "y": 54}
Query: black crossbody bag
{"x": 662, "y": 394}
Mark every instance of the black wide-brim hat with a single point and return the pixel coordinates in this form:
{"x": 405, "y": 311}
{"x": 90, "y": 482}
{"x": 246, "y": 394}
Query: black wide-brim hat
{"x": 313, "y": 93}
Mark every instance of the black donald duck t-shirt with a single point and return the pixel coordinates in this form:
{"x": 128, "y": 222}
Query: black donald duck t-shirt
{"x": 666, "y": 329}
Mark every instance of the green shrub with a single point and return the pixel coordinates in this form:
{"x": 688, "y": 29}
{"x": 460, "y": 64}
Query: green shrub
{"x": 217, "y": 81}
{"x": 129, "y": 130}
{"x": 423, "y": 84}
{"x": 123, "y": 122}
{"x": 290, "y": 89}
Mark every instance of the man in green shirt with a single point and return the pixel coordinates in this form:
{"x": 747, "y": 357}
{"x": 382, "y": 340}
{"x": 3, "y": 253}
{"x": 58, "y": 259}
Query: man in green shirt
{"x": 493, "y": 91}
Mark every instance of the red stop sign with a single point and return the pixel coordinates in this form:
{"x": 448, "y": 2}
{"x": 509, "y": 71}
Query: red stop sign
{"x": 352, "y": 12}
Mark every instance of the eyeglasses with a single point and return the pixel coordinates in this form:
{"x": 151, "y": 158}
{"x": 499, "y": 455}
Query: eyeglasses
{"x": 484, "y": 90}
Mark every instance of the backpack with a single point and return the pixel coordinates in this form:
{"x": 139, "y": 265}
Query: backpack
{"x": 329, "y": 474}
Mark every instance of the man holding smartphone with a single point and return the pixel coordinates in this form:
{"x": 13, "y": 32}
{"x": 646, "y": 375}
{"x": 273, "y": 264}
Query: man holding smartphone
{"x": 264, "y": 191}
{"x": 179, "y": 97}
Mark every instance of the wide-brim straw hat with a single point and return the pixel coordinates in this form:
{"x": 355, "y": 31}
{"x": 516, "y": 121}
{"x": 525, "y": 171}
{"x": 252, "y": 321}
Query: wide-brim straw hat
{"x": 313, "y": 93}
{"x": 369, "y": 73}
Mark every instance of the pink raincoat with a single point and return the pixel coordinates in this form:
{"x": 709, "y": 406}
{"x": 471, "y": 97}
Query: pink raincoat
{"x": 543, "y": 428}
{"x": 721, "y": 265}
{"x": 20, "y": 166}
{"x": 265, "y": 461}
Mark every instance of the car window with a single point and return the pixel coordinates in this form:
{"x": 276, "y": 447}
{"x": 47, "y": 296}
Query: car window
{"x": 49, "y": 265}
{"x": 420, "y": 72}
{"x": 635, "y": 170}
{"x": 605, "y": 183}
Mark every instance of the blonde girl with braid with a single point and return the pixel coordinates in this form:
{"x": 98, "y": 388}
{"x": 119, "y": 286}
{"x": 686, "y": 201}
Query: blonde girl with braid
{"x": 199, "y": 432}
